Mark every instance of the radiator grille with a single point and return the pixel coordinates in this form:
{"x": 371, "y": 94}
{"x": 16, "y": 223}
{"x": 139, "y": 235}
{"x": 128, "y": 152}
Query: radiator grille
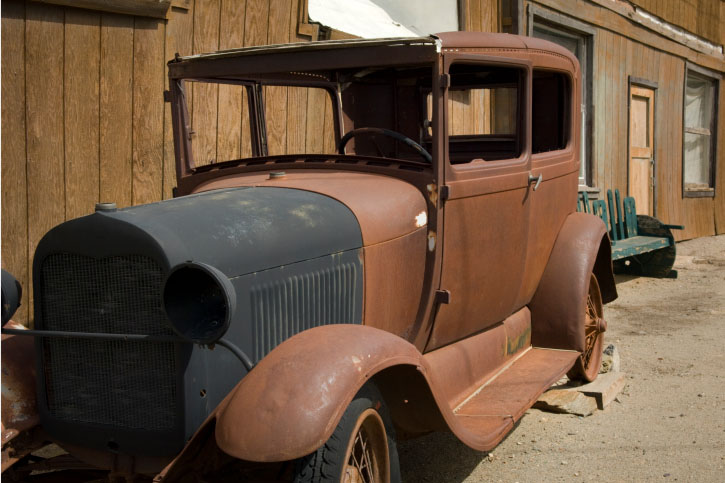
{"x": 282, "y": 308}
{"x": 119, "y": 383}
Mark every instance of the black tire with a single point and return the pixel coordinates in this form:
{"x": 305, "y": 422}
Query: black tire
{"x": 367, "y": 415}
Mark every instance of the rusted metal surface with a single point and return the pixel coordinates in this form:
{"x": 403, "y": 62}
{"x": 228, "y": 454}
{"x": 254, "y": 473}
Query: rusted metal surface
{"x": 397, "y": 266}
{"x": 582, "y": 248}
{"x": 370, "y": 197}
{"x": 466, "y": 266}
{"x": 492, "y": 410}
{"x": 587, "y": 366}
{"x": 19, "y": 413}
{"x": 291, "y": 402}
{"x": 459, "y": 367}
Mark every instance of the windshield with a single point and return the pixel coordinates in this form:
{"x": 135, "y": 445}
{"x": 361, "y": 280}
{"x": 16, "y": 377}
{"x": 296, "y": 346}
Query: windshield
{"x": 308, "y": 113}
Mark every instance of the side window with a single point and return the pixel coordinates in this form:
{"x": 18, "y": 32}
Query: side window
{"x": 484, "y": 113}
{"x": 579, "y": 38}
{"x": 551, "y": 107}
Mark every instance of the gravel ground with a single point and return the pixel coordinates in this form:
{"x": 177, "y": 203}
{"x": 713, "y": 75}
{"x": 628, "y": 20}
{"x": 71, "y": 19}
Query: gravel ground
{"x": 667, "y": 425}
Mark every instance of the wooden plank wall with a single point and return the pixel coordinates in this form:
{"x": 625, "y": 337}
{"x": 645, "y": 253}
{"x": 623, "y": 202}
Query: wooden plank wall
{"x": 616, "y": 58}
{"x": 701, "y": 17}
{"x": 83, "y": 115}
{"x": 84, "y": 120}
{"x": 481, "y": 15}
{"x": 720, "y": 173}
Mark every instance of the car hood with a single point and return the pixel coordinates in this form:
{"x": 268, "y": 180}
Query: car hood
{"x": 386, "y": 208}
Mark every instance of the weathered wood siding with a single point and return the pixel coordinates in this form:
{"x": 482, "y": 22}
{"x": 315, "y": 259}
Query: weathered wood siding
{"x": 701, "y": 17}
{"x": 84, "y": 120}
{"x": 83, "y": 117}
{"x": 481, "y": 15}
{"x": 623, "y": 49}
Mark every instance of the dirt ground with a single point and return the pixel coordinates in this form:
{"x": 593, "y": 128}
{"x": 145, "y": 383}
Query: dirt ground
{"x": 667, "y": 425}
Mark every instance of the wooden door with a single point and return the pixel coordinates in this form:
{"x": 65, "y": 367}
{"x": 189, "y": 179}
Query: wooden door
{"x": 641, "y": 148}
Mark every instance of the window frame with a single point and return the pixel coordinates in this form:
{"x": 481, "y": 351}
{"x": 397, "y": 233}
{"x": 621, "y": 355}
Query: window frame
{"x": 522, "y": 119}
{"x": 715, "y": 79}
{"x": 538, "y": 16}
{"x": 567, "y": 123}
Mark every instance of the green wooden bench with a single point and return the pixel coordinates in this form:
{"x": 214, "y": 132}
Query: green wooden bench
{"x": 641, "y": 244}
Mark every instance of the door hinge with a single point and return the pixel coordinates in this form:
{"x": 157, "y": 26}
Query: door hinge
{"x": 445, "y": 81}
{"x": 444, "y": 193}
{"x": 167, "y": 96}
{"x": 443, "y": 297}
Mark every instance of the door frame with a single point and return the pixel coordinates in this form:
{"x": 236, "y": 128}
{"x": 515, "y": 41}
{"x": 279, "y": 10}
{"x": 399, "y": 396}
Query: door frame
{"x": 633, "y": 81}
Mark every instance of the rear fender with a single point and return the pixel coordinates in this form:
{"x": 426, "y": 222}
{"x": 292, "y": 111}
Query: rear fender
{"x": 557, "y": 308}
{"x": 291, "y": 402}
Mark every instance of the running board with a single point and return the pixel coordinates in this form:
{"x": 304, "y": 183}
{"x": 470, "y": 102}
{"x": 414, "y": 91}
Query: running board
{"x": 491, "y": 411}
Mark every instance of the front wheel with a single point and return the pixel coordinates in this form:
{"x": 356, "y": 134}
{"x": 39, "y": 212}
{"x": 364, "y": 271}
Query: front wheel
{"x": 587, "y": 366}
{"x": 361, "y": 449}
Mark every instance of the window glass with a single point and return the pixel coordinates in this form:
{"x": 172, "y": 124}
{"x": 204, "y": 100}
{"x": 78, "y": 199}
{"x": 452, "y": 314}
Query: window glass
{"x": 219, "y": 115}
{"x": 580, "y": 45}
{"x": 484, "y": 113}
{"x": 287, "y": 109}
{"x": 550, "y": 111}
{"x": 698, "y": 139}
{"x": 219, "y": 118}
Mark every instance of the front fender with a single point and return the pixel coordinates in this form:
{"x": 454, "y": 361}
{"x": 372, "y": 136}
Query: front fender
{"x": 557, "y": 308}
{"x": 291, "y": 402}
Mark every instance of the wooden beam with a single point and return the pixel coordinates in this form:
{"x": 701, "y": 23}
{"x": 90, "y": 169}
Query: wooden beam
{"x": 14, "y": 164}
{"x": 604, "y": 15}
{"x": 142, "y": 8}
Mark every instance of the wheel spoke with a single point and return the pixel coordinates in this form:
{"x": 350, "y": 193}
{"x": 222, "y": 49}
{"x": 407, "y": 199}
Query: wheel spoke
{"x": 594, "y": 326}
{"x": 360, "y": 466}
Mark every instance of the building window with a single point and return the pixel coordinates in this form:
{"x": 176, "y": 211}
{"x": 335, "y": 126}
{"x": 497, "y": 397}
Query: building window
{"x": 699, "y": 136}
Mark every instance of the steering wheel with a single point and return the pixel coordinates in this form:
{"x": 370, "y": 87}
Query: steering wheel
{"x": 386, "y": 132}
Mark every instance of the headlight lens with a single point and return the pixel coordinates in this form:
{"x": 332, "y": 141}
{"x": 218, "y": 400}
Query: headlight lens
{"x": 199, "y": 301}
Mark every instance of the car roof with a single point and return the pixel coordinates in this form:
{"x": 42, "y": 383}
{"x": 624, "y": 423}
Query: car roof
{"x": 305, "y": 56}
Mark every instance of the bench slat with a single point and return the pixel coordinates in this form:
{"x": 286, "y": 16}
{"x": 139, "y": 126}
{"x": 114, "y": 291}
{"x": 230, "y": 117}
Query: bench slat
{"x": 620, "y": 218}
{"x": 612, "y": 219}
{"x": 638, "y": 245}
{"x": 630, "y": 217}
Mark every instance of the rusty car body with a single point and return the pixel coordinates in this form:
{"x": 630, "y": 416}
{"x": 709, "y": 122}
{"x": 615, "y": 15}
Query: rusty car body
{"x": 429, "y": 273}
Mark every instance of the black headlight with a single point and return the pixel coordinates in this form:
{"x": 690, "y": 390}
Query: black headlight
{"x": 199, "y": 301}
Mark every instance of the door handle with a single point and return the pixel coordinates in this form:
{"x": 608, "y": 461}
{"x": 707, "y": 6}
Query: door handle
{"x": 538, "y": 180}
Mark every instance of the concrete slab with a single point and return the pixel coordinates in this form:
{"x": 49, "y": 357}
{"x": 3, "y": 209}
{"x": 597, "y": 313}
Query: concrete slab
{"x": 605, "y": 388}
{"x": 569, "y": 401}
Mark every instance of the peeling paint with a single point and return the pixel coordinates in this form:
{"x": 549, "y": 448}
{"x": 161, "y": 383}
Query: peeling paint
{"x": 421, "y": 219}
{"x": 431, "y": 241}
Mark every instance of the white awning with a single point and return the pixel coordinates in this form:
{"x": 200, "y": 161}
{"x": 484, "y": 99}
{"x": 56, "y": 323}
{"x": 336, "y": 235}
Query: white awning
{"x": 386, "y": 18}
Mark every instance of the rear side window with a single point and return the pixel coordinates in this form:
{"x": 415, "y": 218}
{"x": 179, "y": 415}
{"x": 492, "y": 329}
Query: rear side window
{"x": 550, "y": 123}
{"x": 484, "y": 113}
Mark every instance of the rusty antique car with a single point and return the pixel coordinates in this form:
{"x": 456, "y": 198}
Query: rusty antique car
{"x": 369, "y": 240}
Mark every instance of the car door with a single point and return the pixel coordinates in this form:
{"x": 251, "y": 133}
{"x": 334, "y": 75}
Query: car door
{"x": 486, "y": 214}
{"x": 554, "y": 165}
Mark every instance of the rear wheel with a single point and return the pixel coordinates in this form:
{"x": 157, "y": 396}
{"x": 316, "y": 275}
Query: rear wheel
{"x": 361, "y": 449}
{"x": 587, "y": 365}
